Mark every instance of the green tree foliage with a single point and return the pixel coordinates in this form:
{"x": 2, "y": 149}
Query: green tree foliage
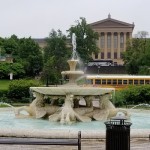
{"x": 86, "y": 39}
{"x": 16, "y": 68}
{"x": 56, "y": 54}
{"x": 137, "y": 56}
{"x": 10, "y": 45}
{"x": 24, "y": 51}
{"x": 31, "y": 56}
{"x": 133, "y": 95}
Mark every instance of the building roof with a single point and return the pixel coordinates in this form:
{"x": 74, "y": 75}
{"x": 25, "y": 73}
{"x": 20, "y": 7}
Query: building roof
{"x": 111, "y": 23}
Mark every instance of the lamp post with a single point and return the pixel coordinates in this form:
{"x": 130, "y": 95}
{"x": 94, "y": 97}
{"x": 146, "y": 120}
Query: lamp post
{"x": 11, "y": 72}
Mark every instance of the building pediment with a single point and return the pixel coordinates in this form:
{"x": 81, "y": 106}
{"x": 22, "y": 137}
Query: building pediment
{"x": 111, "y": 23}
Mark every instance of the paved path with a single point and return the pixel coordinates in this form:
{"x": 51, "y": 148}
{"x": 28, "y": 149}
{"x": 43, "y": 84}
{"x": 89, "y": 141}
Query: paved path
{"x": 93, "y": 144}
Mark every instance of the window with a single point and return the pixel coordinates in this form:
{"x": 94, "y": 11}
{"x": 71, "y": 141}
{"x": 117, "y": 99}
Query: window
{"x": 96, "y": 56}
{"x": 130, "y": 81}
{"x": 108, "y": 55}
{"x": 119, "y": 81}
{"x": 114, "y": 81}
{"x": 102, "y": 55}
{"x": 102, "y": 42}
{"x": 141, "y": 81}
{"x": 124, "y": 81}
{"x": 135, "y": 81}
{"x": 103, "y": 81}
{"x": 121, "y": 40}
{"x": 97, "y": 81}
{"x": 109, "y": 40}
{"x": 115, "y": 55}
{"x": 147, "y": 82}
{"x": 115, "y": 40}
{"x": 109, "y": 81}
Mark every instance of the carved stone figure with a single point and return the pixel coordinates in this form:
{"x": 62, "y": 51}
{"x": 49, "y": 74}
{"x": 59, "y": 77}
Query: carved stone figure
{"x": 37, "y": 108}
{"x": 68, "y": 114}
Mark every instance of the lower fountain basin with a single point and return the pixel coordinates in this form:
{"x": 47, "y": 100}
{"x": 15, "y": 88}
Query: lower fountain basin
{"x": 8, "y": 120}
{"x": 75, "y": 90}
{"x": 11, "y": 126}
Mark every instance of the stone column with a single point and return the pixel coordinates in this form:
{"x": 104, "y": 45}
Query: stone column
{"x": 112, "y": 45}
{"x": 125, "y": 41}
{"x": 118, "y": 51}
{"x": 105, "y": 49}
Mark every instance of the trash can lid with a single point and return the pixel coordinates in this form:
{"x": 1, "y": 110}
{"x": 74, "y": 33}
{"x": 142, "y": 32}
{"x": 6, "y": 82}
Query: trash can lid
{"x": 119, "y": 118}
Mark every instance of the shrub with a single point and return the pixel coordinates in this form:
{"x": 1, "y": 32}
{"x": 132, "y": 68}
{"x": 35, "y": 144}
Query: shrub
{"x": 19, "y": 89}
{"x": 133, "y": 95}
{"x": 3, "y": 92}
{"x": 3, "y": 95}
{"x": 118, "y": 99}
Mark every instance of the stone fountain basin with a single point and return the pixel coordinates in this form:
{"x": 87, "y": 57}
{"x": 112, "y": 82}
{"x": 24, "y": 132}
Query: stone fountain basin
{"x": 75, "y": 90}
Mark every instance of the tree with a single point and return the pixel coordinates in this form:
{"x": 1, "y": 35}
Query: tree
{"x": 30, "y": 56}
{"x": 141, "y": 34}
{"x": 86, "y": 39}
{"x": 137, "y": 56}
{"x": 24, "y": 51}
{"x": 10, "y": 45}
{"x": 56, "y": 54}
{"x": 15, "y": 68}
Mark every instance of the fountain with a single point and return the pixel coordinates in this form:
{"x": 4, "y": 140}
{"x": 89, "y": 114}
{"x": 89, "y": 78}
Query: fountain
{"x": 72, "y": 110}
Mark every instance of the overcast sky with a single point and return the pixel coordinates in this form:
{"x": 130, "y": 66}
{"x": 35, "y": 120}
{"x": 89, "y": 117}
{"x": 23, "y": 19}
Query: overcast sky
{"x": 36, "y": 18}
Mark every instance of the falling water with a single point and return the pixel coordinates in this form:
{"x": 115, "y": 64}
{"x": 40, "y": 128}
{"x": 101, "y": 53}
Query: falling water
{"x": 147, "y": 105}
{"x": 3, "y": 103}
{"x": 74, "y": 44}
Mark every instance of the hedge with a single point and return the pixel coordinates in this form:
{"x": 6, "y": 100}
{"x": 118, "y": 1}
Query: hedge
{"x": 19, "y": 89}
{"x": 133, "y": 95}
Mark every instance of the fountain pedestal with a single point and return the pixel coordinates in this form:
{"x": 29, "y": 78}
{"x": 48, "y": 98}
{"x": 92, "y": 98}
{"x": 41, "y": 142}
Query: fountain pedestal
{"x": 72, "y": 73}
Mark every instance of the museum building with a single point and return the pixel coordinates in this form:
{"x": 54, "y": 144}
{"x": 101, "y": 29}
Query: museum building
{"x": 113, "y": 36}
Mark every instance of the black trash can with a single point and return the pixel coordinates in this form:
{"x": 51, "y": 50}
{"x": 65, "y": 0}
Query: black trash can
{"x": 118, "y": 134}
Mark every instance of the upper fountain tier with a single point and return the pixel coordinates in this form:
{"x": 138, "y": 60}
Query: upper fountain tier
{"x": 73, "y": 74}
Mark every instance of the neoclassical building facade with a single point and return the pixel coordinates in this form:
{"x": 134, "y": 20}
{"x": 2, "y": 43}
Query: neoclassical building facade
{"x": 113, "y": 35}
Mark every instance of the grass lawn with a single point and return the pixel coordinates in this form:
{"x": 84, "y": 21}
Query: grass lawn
{"x": 4, "y": 84}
